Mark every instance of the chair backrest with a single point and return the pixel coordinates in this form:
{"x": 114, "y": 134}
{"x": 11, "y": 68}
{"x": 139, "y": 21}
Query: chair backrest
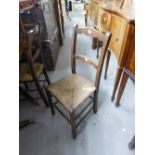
{"x": 34, "y": 53}
{"x": 34, "y": 42}
{"x": 103, "y": 37}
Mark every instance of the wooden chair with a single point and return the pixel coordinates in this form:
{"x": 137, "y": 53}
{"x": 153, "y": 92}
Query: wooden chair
{"x": 31, "y": 70}
{"x": 71, "y": 91}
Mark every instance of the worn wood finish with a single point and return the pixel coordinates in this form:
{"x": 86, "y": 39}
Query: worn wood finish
{"x": 72, "y": 90}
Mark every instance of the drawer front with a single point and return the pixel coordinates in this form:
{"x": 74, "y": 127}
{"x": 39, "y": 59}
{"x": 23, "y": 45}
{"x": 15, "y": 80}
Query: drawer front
{"x": 118, "y": 27}
{"x": 104, "y": 20}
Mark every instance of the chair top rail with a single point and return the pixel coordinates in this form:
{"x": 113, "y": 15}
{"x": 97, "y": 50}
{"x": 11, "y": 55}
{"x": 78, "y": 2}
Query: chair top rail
{"x": 92, "y": 33}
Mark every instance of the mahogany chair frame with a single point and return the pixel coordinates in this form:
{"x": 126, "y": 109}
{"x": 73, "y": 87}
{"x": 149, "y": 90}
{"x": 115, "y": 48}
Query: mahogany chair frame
{"x": 105, "y": 38}
{"x": 32, "y": 34}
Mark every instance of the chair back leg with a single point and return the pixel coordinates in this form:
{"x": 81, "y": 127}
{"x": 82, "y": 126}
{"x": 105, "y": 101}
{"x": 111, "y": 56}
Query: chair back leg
{"x": 46, "y": 76}
{"x": 41, "y": 93}
{"x": 50, "y": 101}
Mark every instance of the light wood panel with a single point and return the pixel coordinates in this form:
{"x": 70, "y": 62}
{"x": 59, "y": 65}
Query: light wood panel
{"x": 117, "y": 28}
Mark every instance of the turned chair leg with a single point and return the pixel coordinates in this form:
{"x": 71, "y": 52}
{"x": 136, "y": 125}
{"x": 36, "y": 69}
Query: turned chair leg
{"x": 72, "y": 122}
{"x": 50, "y": 101}
{"x": 117, "y": 79}
{"x": 107, "y": 64}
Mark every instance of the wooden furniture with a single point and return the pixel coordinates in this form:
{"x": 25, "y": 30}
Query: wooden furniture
{"x": 31, "y": 70}
{"x": 72, "y": 90}
{"x": 118, "y": 18}
{"x": 129, "y": 71}
{"x": 121, "y": 23}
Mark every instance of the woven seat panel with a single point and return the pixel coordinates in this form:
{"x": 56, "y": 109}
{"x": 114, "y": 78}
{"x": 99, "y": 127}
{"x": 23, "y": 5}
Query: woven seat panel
{"x": 72, "y": 90}
{"x": 25, "y": 73}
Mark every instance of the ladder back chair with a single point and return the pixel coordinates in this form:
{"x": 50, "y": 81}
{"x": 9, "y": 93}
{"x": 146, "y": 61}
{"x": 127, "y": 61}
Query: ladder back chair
{"x": 31, "y": 70}
{"x": 73, "y": 90}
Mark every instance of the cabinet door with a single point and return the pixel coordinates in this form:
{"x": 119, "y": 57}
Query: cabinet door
{"x": 118, "y": 29}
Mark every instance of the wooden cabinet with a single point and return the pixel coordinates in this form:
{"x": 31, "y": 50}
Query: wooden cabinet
{"x": 128, "y": 71}
{"x": 107, "y": 16}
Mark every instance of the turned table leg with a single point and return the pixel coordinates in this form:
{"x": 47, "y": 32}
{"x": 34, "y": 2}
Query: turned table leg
{"x": 123, "y": 82}
{"x": 117, "y": 79}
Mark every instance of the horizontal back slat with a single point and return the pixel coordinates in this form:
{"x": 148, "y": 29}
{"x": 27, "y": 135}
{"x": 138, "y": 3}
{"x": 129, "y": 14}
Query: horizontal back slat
{"x": 86, "y": 60}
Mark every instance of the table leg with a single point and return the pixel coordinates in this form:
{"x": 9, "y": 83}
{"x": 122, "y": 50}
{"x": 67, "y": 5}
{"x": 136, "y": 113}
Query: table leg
{"x": 117, "y": 79}
{"x": 123, "y": 82}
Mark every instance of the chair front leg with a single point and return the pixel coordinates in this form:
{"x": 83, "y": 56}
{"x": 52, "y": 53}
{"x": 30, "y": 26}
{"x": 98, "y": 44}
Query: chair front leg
{"x": 72, "y": 122}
